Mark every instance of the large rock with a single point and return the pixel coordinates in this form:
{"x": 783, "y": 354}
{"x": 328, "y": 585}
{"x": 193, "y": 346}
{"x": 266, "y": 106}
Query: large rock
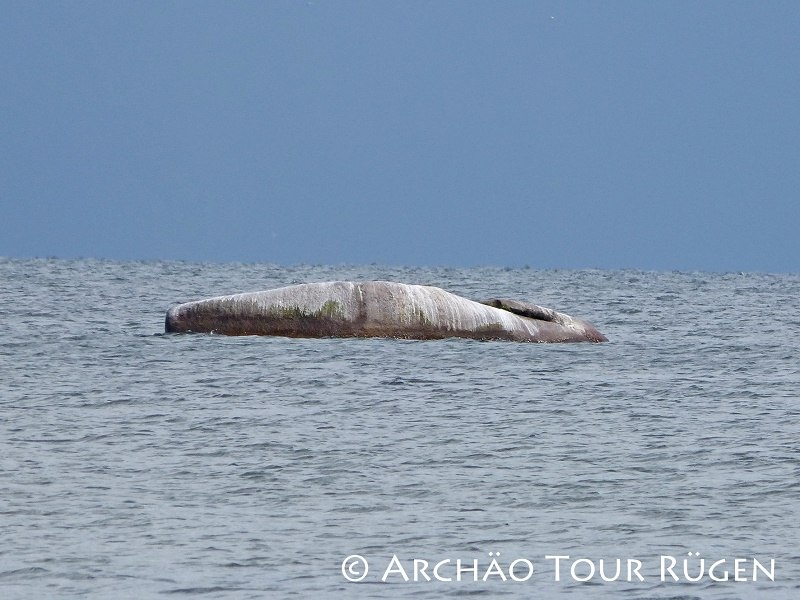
{"x": 376, "y": 309}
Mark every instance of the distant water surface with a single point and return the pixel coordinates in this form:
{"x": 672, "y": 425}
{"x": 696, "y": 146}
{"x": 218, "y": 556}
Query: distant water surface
{"x": 135, "y": 464}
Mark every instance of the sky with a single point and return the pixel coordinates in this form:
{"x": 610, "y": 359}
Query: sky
{"x": 621, "y": 134}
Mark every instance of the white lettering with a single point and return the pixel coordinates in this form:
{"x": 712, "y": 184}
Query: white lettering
{"x": 713, "y": 576}
{"x": 557, "y": 566}
{"x": 669, "y": 569}
{"x": 686, "y": 568}
{"x": 603, "y": 575}
{"x": 574, "y": 571}
{"x": 770, "y": 574}
{"x": 460, "y": 570}
{"x": 494, "y": 569}
{"x": 635, "y": 570}
{"x": 436, "y": 570}
{"x": 512, "y": 574}
{"x": 398, "y": 568}
{"x": 420, "y": 566}
{"x": 737, "y": 569}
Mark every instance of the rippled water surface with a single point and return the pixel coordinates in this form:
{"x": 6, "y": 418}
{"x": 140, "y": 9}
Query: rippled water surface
{"x": 135, "y": 464}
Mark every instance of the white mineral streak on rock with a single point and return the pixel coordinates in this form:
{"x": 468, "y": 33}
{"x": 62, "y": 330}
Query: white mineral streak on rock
{"x": 420, "y": 305}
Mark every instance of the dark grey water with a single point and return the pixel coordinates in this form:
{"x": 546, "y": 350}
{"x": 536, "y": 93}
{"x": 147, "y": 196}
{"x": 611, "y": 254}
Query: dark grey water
{"x": 140, "y": 465}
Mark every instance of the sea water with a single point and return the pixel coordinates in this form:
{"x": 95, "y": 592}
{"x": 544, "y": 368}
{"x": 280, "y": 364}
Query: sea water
{"x": 135, "y": 464}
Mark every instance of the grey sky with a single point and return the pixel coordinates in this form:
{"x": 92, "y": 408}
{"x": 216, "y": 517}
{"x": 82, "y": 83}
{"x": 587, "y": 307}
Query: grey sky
{"x": 654, "y": 135}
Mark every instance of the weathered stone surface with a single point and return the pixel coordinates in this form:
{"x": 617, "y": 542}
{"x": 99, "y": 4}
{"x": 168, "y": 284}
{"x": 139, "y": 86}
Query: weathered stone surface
{"x": 376, "y": 309}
